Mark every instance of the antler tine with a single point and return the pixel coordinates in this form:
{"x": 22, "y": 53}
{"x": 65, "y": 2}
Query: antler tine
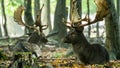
{"x": 65, "y": 23}
{"x": 38, "y": 21}
{"x": 84, "y": 19}
{"x": 45, "y": 27}
{"x": 18, "y": 17}
{"x": 78, "y": 23}
{"x": 92, "y": 22}
{"x": 38, "y": 17}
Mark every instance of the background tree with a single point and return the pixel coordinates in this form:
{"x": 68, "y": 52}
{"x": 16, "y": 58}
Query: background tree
{"x": 118, "y": 10}
{"x": 58, "y": 17}
{"x": 0, "y": 31}
{"x": 5, "y": 20}
{"x": 28, "y": 14}
{"x": 112, "y": 30}
{"x": 36, "y": 7}
{"x": 88, "y": 12}
{"x": 46, "y": 15}
{"x": 118, "y": 7}
{"x": 97, "y": 30}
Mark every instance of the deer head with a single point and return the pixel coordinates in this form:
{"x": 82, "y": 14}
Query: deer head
{"x": 38, "y": 34}
{"x": 72, "y": 36}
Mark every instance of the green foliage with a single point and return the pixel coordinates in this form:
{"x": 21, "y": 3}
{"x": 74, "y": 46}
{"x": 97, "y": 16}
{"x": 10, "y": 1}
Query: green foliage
{"x": 57, "y": 55}
{"x": 92, "y": 6}
{"x": 53, "y": 5}
{"x": 2, "y": 56}
{"x": 11, "y": 5}
{"x": 7, "y": 41}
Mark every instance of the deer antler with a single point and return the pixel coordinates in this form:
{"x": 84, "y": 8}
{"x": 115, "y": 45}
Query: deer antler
{"x": 84, "y": 19}
{"x": 102, "y": 11}
{"x": 38, "y": 21}
{"x": 18, "y": 17}
{"x": 64, "y": 22}
{"x": 38, "y": 18}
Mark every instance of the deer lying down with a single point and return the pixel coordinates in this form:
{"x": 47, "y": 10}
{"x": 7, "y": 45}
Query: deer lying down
{"x": 36, "y": 37}
{"x": 87, "y": 53}
{"x": 32, "y": 44}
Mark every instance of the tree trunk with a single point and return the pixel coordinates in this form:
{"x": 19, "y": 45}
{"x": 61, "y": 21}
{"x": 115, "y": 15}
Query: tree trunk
{"x": 36, "y": 7}
{"x": 0, "y": 31}
{"x": 88, "y": 11}
{"x": 58, "y": 24}
{"x": 28, "y": 14}
{"x": 97, "y": 30}
{"x": 118, "y": 13}
{"x": 112, "y": 31}
{"x": 118, "y": 10}
{"x": 79, "y": 6}
{"x": 5, "y": 20}
{"x": 46, "y": 16}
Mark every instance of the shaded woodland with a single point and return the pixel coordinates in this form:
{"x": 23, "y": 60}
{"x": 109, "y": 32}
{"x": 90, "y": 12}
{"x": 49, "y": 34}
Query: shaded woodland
{"x": 60, "y": 33}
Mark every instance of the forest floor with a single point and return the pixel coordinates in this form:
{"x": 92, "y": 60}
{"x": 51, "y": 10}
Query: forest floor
{"x": 51, "y": 58}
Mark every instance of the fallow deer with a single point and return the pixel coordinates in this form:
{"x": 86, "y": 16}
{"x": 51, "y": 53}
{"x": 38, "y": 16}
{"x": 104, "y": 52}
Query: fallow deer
{"x": 87, "y": 53}
{"x": 36, "y": 38}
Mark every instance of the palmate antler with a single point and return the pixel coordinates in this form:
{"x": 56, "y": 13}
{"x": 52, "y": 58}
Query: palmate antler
{"x": 18, "y": 17}
{"x": 102, "y": 11}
